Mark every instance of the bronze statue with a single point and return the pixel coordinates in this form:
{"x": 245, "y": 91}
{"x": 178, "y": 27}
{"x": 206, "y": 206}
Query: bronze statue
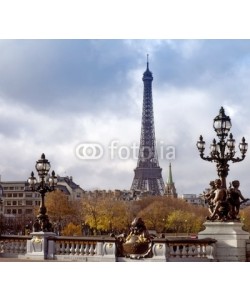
{"x": 220, "y": 210}
{"x": 234, "y": 196}
{"x": 209, "y": 196}
{"x": 137, "y": 244}
{"x": 224, "y": 205}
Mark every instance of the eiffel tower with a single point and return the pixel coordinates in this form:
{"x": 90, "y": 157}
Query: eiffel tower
{"x": 148, "y": 175}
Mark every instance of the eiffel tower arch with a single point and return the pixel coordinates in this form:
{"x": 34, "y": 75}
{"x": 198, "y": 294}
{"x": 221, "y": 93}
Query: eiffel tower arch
{"x": 148, "y": 174}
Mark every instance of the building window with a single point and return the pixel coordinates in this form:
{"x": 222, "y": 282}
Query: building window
{"x": 14, "y": 203}
{"x": 20, "y": 202}
{"x": 20, "y": 211}
{"x": 8, "y": 211}
{"x": 20, "y": 195}
{"x": 14, "y": 211}
{"x": 29, "y": 202}
{"x": 8, "y": 203}
{"x": 28, "y": 211}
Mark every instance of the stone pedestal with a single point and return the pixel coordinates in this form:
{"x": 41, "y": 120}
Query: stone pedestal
{"x": 39, "y": 247}
{"x": 231, "y": 240}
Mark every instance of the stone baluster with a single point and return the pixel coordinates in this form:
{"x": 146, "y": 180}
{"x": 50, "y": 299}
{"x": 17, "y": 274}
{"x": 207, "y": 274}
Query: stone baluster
{"x": 199, "y": 250}
{"x": 62, "y": 248}
{"x": 203, "y": 250}
{"x": 87, "y": 249}
{"x": 1, "y": 246}
{"x": 15, "y": 246}
{"x": 67, "y": 248}
{"x": 20, "y": 247}
{"x": 185, "y": 251}
{"x": 77, "y": 248}
{"x": 210, "y": 251}
{"x": 58, "y": 247}
{"x": 178, "y": 252}
{"x": 92, "y": 249}
{"x": 194, "y": 250}
{"x": 82, "y": 250}
{"x": 8, "y": 246}
{"x": 72, "y": 248}
{"x": 172, "y": 250}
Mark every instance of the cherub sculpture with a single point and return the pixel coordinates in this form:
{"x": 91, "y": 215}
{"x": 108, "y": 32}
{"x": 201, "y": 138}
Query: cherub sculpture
{"x": 234, "y": 197}
{"x": 224, "y": 205}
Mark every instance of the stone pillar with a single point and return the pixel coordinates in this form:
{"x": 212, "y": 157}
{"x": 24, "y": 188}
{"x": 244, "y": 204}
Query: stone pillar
{"x": 160, "y": 251}
{"x": 39, "y": 248}
{"x": 109, "y": 251}
{"x": 231, "y": 240}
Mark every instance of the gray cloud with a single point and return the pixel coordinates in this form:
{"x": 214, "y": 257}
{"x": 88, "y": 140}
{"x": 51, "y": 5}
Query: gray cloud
{"x": 55, "y": 94}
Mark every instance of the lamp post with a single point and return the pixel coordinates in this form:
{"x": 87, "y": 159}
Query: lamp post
{"x": 222, "y": 151}
{"x": 45, "y": 184}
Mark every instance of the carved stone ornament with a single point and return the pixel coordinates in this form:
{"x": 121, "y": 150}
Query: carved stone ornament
{"x": 137, "y": 244}
{"x": 37, "y": 244}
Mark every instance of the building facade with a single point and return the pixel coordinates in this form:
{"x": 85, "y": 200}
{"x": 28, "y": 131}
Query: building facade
{"x": 19, "y": 205}
{"x": 70, "y": 188}
{"x": 193, "y": 199}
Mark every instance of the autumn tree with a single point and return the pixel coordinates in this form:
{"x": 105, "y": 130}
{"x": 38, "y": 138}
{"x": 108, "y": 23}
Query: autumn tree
{"x": 104, "y": 213}
{"x": 90, "y": 212}
{"x": 61, "y": 209}
{"x": 180, "y": 221}
{"x": 245, "y": 218}
{"x": 155, "y": 214}
{"x": 72, "y": 229}
{"x": 172, "y": 214}
{"x": 107, "y": 214}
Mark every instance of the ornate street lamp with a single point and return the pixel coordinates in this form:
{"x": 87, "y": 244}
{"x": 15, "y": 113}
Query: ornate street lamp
{"x": 223, "y": 151}
{"x": 45, "y": 184}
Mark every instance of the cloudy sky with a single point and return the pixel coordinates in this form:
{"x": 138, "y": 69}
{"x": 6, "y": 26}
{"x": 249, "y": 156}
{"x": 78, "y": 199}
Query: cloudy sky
{"x": 56, "y": 95}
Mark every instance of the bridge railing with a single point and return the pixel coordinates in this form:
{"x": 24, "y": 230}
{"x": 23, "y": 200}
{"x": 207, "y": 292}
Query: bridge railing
{"x": 104, "y": 248}
{"x": 248, "y": 250}
{"x": 13, "y": 245}
{"x": 192, "y": 249}
{"x": 83, "y": 248}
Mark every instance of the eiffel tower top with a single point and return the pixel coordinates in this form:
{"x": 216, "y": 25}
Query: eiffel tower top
{"x": 147, "y": 75}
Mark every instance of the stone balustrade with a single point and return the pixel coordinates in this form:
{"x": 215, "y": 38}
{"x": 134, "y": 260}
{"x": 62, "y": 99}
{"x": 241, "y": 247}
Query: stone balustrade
{"x": 192, "y": 250}
{"x": 103, "y": 248}
{"x": 13, "y": 245}
{"x": 83, "y": 248}
{"x": 248, "y": 250}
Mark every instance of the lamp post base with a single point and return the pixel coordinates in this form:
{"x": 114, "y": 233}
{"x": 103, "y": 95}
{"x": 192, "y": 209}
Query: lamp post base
{"x": 39, "y": 247}
{"x": 231, "y": 240}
